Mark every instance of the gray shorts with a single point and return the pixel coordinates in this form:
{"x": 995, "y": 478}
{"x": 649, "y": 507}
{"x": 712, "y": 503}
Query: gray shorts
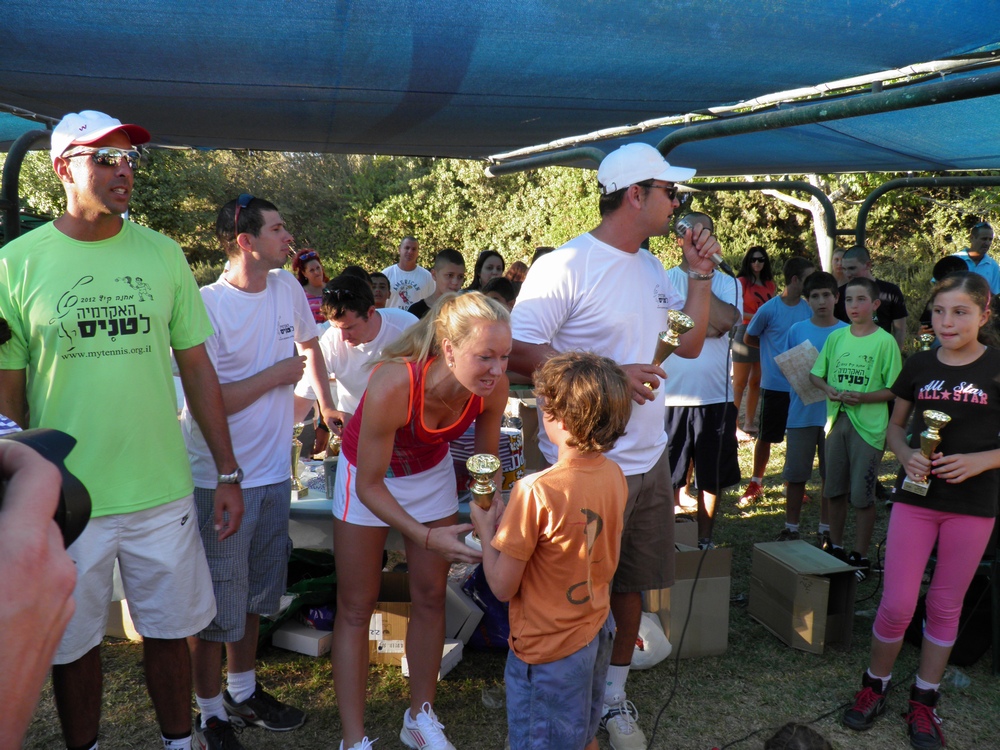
{"x": 851, "y": 464}
{"x": 647, "y": 556}
{"x": 250, "y": 568}
{"x": 801, "y": 446}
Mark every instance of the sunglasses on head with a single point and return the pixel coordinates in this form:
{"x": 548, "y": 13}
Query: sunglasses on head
{"x": 338, "y": 294}
{"x": 311, "y": 255}
{"x": 242, "y": 202}
{"x": 108, "y": 156}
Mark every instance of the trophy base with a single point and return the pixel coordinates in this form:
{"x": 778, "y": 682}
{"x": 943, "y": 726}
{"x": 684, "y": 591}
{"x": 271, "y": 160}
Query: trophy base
{"x": 300, "y": 489}
{"x": 917, "y": 488}
{"x": 471, "y": 540}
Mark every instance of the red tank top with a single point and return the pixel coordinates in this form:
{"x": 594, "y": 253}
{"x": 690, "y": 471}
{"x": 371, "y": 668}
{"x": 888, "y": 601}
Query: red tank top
{"x": 416, "y": 447}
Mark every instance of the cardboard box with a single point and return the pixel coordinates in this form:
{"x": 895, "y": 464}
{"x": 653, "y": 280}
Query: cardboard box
{"x": 461, "y": 614}
{"x": 450, "y": 656}
{"x": 686, "y": 532}
{"x": 707, "y": 631}
{"x": 294, "y": 636}
{"x": 802, "y": 595}
{"x": 387, "y": 628}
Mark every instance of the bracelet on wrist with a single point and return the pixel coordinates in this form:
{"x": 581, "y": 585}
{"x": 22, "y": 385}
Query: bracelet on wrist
{"x": 701, "y": 276}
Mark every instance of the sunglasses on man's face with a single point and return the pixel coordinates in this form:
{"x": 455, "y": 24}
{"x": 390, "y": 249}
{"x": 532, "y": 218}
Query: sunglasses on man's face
{"x": 108, "y": 156}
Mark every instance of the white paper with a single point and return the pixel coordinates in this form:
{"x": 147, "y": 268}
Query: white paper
{"x": 795, "y": 365}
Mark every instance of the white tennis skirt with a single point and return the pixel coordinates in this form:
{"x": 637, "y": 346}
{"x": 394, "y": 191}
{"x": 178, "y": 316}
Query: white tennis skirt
{"x": 427, "y": 496}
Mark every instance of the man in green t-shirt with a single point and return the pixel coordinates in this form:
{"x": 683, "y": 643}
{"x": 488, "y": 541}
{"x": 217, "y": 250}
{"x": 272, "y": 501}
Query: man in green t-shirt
{"x": 95, "y": 304}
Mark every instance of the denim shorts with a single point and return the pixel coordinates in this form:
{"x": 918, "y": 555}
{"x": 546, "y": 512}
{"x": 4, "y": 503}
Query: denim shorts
{"x": 559, "y": 704}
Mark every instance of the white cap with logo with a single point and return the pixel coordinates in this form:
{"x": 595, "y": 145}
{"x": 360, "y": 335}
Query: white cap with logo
{"x": 637, "y": 162}
{"x": 83, "y": 128}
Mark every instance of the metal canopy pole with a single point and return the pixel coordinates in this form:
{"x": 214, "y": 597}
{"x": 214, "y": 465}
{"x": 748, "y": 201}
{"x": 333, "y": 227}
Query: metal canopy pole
{"x": 9, "y": 199}
{"x": 793, "y": 185}
{"x": 907, "y": 97}
{"x": 861, "y": 232}
{"x": 555, "y": 159}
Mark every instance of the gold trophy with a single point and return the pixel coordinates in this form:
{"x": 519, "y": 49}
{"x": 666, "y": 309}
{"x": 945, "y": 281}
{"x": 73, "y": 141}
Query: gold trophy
{"x": 930, "y": 439}
{"x": 677, "y": 323}
{"x": 482, "y": 468}
{"x": 296, "y": 452}
{"x": 925, "y": 339}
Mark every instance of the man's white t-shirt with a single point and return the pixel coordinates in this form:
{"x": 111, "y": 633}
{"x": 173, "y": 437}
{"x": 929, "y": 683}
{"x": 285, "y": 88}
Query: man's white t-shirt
{"x": 352, "y": 365}
{"x": 253, "y": 330}
{"x": 705, "y": 379}
{"x": 590, "y": 296}
{"x": 407, "y": 287}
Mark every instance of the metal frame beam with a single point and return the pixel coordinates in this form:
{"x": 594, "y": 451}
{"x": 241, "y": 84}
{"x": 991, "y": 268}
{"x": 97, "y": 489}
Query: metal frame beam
{"x": 10, "y": 200}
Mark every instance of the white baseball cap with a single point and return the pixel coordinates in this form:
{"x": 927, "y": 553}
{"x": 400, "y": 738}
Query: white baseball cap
{"x": 637, "y": 162}
{"x": 82, "y": 128}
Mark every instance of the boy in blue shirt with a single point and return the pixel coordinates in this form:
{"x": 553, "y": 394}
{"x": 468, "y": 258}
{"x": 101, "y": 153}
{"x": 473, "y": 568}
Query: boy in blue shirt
{"x": 805, "y": 423}
{"x": 768, "y": 331}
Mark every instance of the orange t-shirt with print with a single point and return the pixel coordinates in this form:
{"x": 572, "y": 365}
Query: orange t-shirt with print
{"x": 566, "y": 523}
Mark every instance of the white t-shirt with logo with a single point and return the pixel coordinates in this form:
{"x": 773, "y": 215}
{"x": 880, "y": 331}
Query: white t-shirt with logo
{"x": 706, "y": 378}
{"x": 352, "y": 365}
{"x": 407, "y": 287}
{"x": 253, "y": 330}
{"x": 590, "y": 296}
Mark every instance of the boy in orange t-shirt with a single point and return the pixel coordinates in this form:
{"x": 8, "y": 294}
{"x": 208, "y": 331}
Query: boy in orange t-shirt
{"x": 554, "y": 554}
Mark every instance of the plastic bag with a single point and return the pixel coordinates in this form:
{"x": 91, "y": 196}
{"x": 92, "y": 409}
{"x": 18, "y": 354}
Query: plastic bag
{"x": 651, "y": 646}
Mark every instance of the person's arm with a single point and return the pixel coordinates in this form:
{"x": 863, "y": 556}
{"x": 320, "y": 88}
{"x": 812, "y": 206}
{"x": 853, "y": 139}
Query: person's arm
{"x": 36, "y": 584}
{"x": 503, "y": 573}
{"x": 722, "y": 316}
{"x": 315, "y": 365}
{"x": 753, "y": 341}
{"x": 853, "y": 398}
{"x": 899, "y": 331}
{"x": 205, "y": 400}
{"x": 240, "y": 394}
{"x": 526, "y": 358}
{"x": 914, "y": 463}
{"x": 698, "y": 246}
{"x": 12, "y": 397}
{"x": 831, "y": 393}
{"x": 388, "y": 393}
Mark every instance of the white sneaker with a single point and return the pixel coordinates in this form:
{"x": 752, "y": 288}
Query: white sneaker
{"x": 425, "y": 731}
{"x": 365, "y": 744}
{"x": 621, "y": 722}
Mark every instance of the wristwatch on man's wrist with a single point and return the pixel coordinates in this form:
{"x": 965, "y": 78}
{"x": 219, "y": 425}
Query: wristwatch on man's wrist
{"x": 235, "y": 478}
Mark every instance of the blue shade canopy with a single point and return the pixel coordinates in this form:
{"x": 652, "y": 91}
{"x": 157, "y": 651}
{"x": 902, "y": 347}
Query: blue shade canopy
{"x": 461, "y": 79}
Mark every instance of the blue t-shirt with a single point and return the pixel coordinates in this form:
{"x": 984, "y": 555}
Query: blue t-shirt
{"x": 799, "y": 414}
{"x": 987, "y": 268}
{"x": 771, "y": 324}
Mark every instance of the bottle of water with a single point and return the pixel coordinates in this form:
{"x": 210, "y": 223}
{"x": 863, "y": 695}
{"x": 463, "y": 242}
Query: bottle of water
{"x": 956, "y": 678}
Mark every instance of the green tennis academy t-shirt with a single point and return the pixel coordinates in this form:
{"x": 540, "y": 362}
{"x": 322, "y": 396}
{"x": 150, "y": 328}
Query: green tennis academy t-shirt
{"x": 93, "y": 324}
{"x": 859, "y": 363}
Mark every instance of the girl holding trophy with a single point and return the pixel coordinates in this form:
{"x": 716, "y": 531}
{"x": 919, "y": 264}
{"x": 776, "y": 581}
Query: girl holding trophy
{"x": 396, "y": 470}
{"x": 948, "y": 498}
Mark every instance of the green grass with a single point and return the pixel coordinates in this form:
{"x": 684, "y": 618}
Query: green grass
{"x": 757, "y": 684}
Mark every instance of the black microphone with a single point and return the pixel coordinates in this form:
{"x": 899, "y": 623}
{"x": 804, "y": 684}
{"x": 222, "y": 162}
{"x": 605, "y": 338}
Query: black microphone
{"x": 687, "y": 221}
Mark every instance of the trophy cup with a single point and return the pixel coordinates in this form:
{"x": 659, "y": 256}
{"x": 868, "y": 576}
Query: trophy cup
{"x": 925, "y": 339}
{"x": 930, "y": 439}
{"x": 677, "y": 324}
{"x": 482, "y": 467}
{"x": 296, "y": 452}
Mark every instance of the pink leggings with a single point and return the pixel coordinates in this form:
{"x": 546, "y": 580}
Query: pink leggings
{"x": 961, "y": 542}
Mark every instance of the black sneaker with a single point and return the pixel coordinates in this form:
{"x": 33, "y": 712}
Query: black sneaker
{"x": 837, "y": 552}
{"x": 862, "y": 563}
{"x": 787, "y": 535}
{"x": 217, "y": 735}
{"x": 869, "y": 704}
{"x": 923, "y": 723}
{"x": 263, "y": 710}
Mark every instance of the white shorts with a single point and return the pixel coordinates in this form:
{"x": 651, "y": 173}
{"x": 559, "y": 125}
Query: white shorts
{"x": 164, "y": 574}
{"x": 427, "y": 496}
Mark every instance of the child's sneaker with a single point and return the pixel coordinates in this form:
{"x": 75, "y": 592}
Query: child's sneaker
{"x": 869, "y": 704}
{"x": 216, "y": 735}
{"x": 621, "y": 721}
{"x": 425, "y": 731}
{"x": 923, "y": 723}
{"x": 754, "y": 492}
{"x": 862, "y": 563}
{"x": 365, "y": 744}
{"x": 263, "y": 710}
{"x": 787, "y": 535}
